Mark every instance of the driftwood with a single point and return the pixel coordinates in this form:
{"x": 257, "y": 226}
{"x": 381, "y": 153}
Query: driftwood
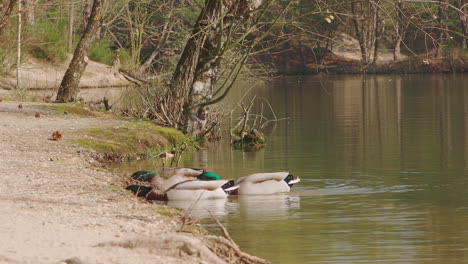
{"x": 129, "y": 76}
{"x": 175, "y": 245}
{"x": 246, "y": 134}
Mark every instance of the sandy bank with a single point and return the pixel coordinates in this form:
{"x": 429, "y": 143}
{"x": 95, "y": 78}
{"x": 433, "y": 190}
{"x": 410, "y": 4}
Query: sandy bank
{"x": 36, "y": 74}
{"x": 57, "y": 207}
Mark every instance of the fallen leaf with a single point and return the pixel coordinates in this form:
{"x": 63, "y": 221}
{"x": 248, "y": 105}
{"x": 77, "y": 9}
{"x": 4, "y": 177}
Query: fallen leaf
{"x": 57, "y": 135}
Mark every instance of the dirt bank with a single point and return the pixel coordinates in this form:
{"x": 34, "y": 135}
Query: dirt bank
{"x": 36, "y": 74}
{"x": 57, "y": 207}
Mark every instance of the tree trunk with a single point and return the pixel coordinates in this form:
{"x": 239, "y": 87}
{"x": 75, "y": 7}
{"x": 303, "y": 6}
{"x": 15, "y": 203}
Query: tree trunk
{"x": 195, "y": 76}
{"x": 18, "y": 61}
{"x": 443, "y": 29}
{"x": 68, "y": 90}
{"x": 30, "y": 16}
{"x": 359, "y": 33}
{"x": 184, "y": 74}
{"x": 88, "y": 6}
{"x": 4, "y": 18}
{"x": 71, "y": 18}
{"x": 367, "y": 27}
{"x": 377, "y": 32}
{"x": 399, "y": 31}
{"x": 397, "y": 49}
{"x": 462, "y": 5}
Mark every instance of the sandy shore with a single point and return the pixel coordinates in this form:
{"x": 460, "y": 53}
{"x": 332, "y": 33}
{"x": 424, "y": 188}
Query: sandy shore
{"x": 36, "y": 74}
{"x": 57, "y": 207}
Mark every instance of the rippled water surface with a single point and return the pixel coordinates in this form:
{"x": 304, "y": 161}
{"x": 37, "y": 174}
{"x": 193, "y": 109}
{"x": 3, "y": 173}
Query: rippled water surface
{"x": 383, "y": 166}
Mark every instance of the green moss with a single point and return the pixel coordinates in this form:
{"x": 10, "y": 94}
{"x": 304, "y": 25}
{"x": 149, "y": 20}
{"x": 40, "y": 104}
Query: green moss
{"x": 131, "y": 139}
{"x": 194, "y": 229}
{"x": 114, "y": 188}
{"x": 100, "y": 146}
{"x": 166, "y": 213}
{"x": 71, "y": 108}
{"x": 252, "y": 141}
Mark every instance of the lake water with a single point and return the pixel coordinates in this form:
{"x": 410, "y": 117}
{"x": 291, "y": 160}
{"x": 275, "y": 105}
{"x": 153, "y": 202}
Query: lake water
{"x": 383, "y": 163}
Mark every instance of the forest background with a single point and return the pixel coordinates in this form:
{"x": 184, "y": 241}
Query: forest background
{"x": 185, "y": 55}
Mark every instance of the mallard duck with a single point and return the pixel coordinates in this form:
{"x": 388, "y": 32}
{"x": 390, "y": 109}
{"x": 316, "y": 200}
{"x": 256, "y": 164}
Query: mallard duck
{"x": 201, "y": 189}
{"x": 170, "y": 177}
{"x": 266, "y": 183}
{"x": 188, "y": 190}
{"x": 182, "y": 184}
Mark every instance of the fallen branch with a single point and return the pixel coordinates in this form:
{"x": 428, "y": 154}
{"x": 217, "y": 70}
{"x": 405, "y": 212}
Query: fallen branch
{"x": 243, "y": 257}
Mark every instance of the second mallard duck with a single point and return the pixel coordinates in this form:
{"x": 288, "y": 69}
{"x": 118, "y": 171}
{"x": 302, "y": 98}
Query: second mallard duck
{"x": 266, "y": 183}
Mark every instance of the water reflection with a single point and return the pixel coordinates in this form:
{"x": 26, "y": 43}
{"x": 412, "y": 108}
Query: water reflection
{"x": 203, "y": 208}
{"x": 267, "y": 207}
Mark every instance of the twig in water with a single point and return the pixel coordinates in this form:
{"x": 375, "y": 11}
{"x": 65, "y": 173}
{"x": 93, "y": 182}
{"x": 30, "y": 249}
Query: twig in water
{"x": 187, "y": 212}
{"x": 179, "y": 153}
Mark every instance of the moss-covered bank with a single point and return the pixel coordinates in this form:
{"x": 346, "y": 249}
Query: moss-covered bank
{"x": 133, "y": 139}
{"x": 127, "y": 139}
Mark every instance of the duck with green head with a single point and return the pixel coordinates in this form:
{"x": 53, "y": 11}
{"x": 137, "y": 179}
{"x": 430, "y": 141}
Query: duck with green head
{"x": 182, "y": 184}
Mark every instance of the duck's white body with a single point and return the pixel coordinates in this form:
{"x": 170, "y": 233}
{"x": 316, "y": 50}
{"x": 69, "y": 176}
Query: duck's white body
{"x": 185, "y": 172}
{"x": 173, "y": 176}
{"x": 198, "y": 190}
{"x": 265, "y": 183}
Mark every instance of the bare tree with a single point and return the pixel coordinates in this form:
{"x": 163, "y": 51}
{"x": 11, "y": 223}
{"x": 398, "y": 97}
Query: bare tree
{"x": 443, "y": 32}
{"x": 194, "y": 79}
{"x": 162, "y": 40}
{"x": 18, "y": 58}
{"x": 462, "y": 11}
{"x": 400, "y": 26}
{"x": 29, "y": 12}
{"x": 366, "y": 21}
{"x": 68, "y": 90}
{"x": 71, "y": 20}
{"x": 6, "y": 15}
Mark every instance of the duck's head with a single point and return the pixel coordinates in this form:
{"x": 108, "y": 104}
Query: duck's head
{"x": 208, "y": 176}
{"x": 144, "y": 175}
{"x": 149, "y": 193}
{"x": 139, "y": 190}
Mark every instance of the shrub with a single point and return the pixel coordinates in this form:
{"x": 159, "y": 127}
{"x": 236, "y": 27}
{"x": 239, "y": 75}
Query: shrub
{"x": 51, "y": 41}
{"x": 101, "y": 51}
{"x": 7, "y": 58}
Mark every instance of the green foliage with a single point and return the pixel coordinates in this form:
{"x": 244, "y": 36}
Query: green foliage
{"x": 7, "y": 51}
{"x": 7, "y": 59}
{"x": 126, "y": 60}
{"x": 101, "y": 51}
{"x": 188, "y": 14}
{"x": 50, "y": 41}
